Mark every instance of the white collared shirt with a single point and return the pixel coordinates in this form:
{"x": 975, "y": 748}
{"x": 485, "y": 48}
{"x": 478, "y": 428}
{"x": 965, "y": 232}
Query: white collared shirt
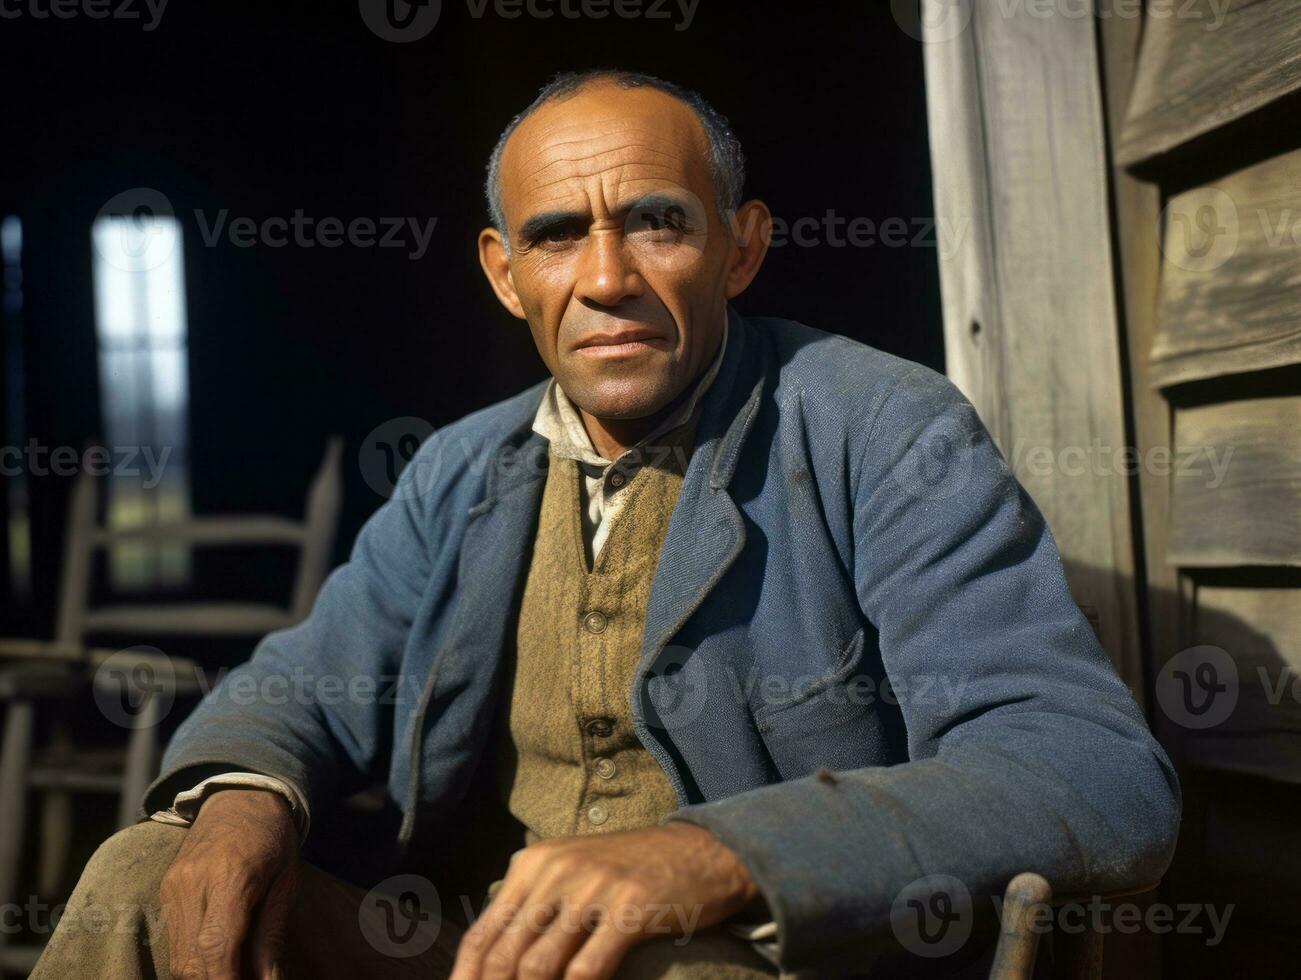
{"x": 559, "y": 422}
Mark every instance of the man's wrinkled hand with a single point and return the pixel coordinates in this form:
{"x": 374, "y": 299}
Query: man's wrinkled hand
{"x": 227, "y": 894}
{"x": 572, "y": 907}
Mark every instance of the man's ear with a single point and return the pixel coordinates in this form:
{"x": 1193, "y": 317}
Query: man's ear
{"x": 752, "y": 232}
{"x": 496, "y": 266}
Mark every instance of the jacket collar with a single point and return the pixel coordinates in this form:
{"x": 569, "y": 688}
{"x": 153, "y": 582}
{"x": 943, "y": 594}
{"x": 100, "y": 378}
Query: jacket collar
{"x": 732, "y": 401}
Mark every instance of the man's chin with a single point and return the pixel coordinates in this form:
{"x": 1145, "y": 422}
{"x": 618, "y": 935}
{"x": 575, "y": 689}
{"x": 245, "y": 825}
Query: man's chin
{"x": 626, "y": 401}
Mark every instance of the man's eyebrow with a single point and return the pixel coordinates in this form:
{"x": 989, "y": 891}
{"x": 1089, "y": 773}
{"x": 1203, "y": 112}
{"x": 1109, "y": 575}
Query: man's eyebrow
{"x": 655, "y": 201}
{"x": 535, "y": 226}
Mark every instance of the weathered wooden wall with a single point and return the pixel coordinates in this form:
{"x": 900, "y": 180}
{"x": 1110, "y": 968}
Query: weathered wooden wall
{"x": 1208, "y": 213}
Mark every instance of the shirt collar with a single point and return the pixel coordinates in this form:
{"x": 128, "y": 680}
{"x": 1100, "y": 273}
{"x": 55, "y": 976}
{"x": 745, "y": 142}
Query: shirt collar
{"x": 558, "y": 420}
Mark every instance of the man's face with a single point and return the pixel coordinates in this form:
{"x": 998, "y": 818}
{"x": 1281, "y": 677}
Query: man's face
{"x": 618, "y": 259}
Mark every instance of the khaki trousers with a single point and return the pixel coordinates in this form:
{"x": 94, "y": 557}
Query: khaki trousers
{"x": 113, "y": 928}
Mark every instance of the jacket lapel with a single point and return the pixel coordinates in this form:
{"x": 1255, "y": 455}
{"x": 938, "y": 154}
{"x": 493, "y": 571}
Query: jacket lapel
{"x": 495, "y": 553}
{"x": 707, "y": 531}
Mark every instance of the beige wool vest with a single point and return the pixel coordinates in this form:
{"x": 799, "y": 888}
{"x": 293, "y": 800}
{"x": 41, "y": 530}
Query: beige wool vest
{"x": 570, "y": 762}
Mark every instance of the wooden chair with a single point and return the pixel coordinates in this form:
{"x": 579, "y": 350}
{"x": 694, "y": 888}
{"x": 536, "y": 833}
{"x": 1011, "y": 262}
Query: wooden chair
{"x": 1076, "y": 956}
{"x": 54, "y": 672}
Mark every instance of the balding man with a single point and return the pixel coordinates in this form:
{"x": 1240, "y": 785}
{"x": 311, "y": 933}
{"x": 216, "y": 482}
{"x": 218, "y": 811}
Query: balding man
{"x": 708, "y": 653}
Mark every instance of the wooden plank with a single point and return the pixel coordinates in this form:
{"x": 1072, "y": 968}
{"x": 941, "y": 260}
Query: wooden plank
{"x": 253, "y": 529}
{"x": 1237, "y": 484}
{"x": 190, "y": 619}
{"x": 1231, "y": 281}
{"x": 1206, "y": 63}
{"x": 1260, "y": 628}
{"x": 1031, "y": 336}
{"x": 1137, "y": 207}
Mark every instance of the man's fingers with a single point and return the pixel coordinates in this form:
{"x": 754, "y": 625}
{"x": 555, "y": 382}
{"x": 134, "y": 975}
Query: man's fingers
{"x": 220, "y": 936}
{"x": 181, "y": 920}
{"x": 268, "y": 937}
{"x": 501, "y": 962}
{"x": 601, "y": 955}
{"x": 481, "y": 936}
{"x": 205, "y": 931}
{"x": 550, "y": 954}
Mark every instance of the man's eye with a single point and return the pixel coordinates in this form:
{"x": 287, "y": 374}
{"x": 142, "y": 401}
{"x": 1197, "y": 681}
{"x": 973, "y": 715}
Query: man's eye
{"x": 668, "y": 222}
{"x": 556, "y": 236}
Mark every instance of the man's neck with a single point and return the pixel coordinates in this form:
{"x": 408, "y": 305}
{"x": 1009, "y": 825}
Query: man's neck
{"x": 611, "y": 438}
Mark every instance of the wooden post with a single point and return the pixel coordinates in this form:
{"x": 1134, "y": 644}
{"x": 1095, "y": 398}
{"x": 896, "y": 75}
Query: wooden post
{"x": 1020, "y": 170}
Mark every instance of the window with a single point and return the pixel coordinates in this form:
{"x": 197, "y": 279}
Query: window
{"x": 11, "y": 301}
{"x": 144, "y": 390}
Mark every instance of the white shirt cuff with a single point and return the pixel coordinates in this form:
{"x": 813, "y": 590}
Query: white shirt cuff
{"x": 186, "y": 805}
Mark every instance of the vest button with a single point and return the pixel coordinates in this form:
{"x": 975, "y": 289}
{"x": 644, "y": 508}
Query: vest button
{"x": 600, "y": 727}
{"x": 595, "y": 621}
{"x": 597, "y": 815}
{"x": 616, "y": 480}
{"x": 605, "y": 768}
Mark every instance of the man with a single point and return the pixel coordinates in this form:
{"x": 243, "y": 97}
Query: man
{"x": 745, "y": 630}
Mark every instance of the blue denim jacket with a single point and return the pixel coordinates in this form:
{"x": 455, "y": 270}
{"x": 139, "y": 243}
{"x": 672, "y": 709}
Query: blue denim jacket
{"x": 861, "y": 664}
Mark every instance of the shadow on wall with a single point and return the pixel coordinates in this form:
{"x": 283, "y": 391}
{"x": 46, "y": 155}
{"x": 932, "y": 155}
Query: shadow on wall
{"x": 1226, "y": 705}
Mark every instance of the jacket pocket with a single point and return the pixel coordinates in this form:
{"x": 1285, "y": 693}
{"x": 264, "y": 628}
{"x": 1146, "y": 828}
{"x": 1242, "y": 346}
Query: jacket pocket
{"x": 833, "y": 722}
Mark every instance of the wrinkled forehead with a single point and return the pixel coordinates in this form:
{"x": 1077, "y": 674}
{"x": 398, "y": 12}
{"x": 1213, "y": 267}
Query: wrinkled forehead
{"x": 613, "y": 143}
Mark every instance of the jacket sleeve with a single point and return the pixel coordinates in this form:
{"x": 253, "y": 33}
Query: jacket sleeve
{"x": 1037, "y": 759}
{"x": 314, "y": 705}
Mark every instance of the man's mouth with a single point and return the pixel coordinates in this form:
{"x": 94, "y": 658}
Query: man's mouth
{"x": 621, "y": 343}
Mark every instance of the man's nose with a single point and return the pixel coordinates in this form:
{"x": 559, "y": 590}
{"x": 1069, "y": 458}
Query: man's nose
{"x": 606, "y": 273}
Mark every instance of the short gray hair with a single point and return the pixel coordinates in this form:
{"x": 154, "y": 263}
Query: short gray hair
{"x": 726, "y": 158}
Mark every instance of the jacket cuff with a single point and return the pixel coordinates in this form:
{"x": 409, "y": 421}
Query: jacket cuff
{"x": 825, "y": 907}
{"x": 185, "y": 806}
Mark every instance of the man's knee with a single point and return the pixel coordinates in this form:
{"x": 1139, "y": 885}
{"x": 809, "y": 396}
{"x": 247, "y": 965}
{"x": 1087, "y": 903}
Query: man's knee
{"x": 709, "y": 955}
{"x": 112, "y": 924}
{"x": 130, "y": 865}
{"x": 118, "y": 889}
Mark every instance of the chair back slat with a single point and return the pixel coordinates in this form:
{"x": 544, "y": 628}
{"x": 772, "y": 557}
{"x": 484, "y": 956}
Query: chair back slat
{"x": 321, "y": 519}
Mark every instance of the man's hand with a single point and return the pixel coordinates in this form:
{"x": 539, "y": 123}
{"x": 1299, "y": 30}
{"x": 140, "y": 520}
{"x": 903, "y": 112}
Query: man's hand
{"x": 572, "y": 907}
{"x": 239, "y": 858}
